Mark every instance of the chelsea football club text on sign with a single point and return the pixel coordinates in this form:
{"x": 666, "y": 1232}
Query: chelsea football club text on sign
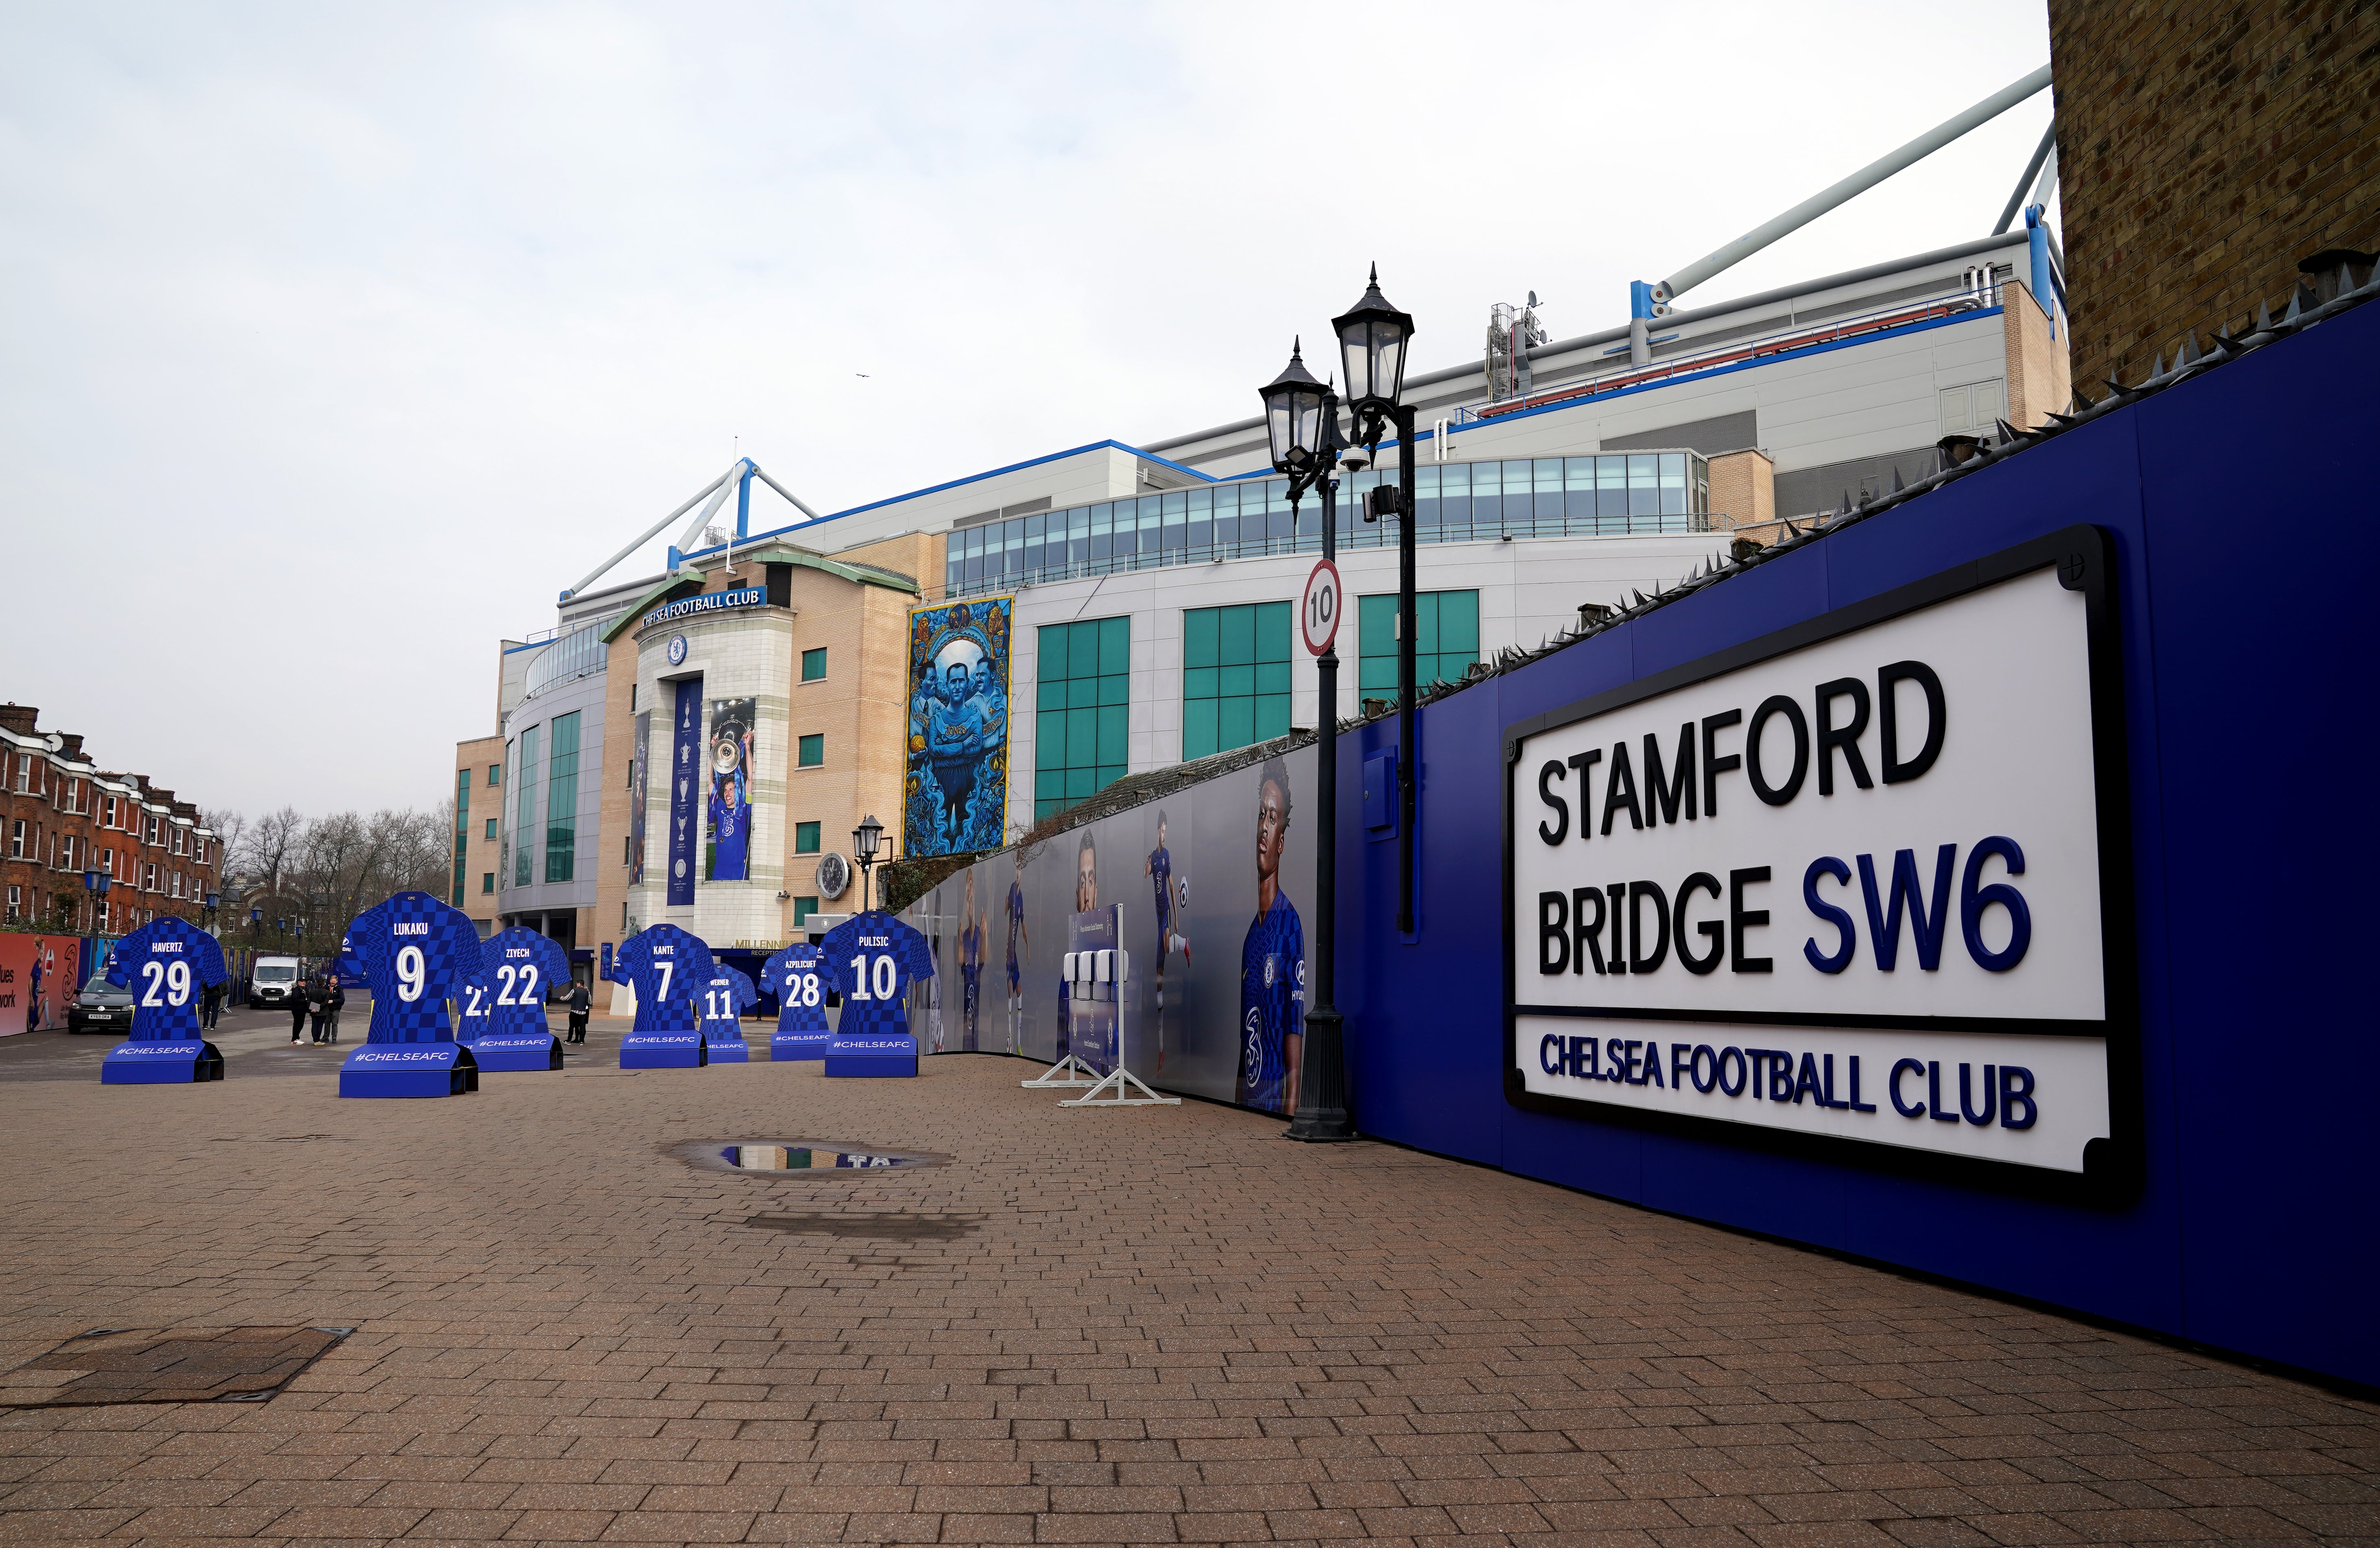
{"x": 1855, "y": 880}
{"x": 710, "y": 602}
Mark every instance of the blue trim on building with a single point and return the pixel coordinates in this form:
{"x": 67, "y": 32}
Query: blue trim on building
{"x": 1803, "y": 353}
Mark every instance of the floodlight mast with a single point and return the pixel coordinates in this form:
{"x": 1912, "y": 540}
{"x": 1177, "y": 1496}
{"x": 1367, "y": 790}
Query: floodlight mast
{"x": 739, "y": 477}
{"x": 1648, "y": 301}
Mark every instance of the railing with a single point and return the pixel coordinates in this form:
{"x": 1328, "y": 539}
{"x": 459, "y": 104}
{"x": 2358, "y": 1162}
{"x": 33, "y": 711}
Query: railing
{"x": 580, "y": 654}
{"x": 1737, "y": 350}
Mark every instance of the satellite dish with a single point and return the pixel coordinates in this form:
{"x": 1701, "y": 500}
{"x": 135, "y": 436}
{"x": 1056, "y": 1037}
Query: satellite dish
{"x": 1532, "y": 297}
{"x": 833, "y": 876}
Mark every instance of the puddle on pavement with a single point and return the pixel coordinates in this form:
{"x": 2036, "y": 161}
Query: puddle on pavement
{"x": 799, "y": 1156}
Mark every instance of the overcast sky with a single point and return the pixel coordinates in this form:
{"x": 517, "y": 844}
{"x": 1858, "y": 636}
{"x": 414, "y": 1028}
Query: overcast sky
{"x": 335, "y": 340}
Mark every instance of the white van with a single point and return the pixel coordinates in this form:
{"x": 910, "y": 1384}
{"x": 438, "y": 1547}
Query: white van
{"x": 274, "y": 980}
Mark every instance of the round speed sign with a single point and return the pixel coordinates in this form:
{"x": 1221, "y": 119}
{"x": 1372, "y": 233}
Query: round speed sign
{"x": 1318, "y": 615}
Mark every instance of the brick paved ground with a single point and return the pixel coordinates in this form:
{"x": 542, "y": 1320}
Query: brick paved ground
{"x": 1151, "y": 1326}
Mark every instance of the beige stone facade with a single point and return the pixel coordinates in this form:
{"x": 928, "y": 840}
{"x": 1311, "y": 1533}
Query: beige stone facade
{"x": 849, "y": 712}
{"x": 1743, "y": 488}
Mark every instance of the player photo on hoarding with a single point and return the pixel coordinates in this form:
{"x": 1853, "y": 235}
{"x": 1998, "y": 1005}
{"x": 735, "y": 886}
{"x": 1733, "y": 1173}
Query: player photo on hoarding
{"x": 1272, "y": 963}
{"x": 730, "y": 788}
{"x": 1173, "y": 898}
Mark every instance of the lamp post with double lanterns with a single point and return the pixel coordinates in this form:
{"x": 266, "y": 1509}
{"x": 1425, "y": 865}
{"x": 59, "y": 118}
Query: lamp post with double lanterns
{"x": 1374, "y": 340}
{"x": 1302, "y": 422}
{"x": 866, "y": 840}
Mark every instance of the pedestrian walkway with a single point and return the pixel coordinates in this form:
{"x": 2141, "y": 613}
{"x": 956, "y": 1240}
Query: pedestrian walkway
{"x": 1154, "y": 1325}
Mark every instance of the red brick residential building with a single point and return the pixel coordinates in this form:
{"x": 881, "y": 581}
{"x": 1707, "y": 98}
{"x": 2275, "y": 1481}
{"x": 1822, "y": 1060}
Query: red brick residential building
{"x": 61, "y": 815}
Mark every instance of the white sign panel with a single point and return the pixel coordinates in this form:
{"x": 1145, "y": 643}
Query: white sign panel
{"x": 1848, "y": 882}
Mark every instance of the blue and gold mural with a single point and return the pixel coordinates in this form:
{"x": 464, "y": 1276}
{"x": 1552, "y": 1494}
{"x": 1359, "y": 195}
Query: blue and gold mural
{"x": 955, "y": 796}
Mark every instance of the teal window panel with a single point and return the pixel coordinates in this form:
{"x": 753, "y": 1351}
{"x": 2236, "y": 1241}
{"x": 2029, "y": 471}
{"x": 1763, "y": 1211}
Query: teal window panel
{"x": 1115, "y": 647}
{"x": 806, "y": 838}
{"x": 1084, "y": 691}
{"x": 1201, "y": 682}
{"x": 813, "y": 750}
{"x": 1238, "y": 681}
{"x": 1238, "y": 718}
{"x": 1050, "y": 740}
{"x": 1201, "y": 637}
{"x": 1272, "y": 676}
{"x": 1114, "y": 744}
{"x": 1271, "y": 716}
{"x": 1199, "y": 725}
{"x": 814, "y": 665}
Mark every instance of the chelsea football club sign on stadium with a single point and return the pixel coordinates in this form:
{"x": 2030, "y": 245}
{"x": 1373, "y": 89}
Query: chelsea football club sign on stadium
{"x": 710, "y": 602}
{"x": 1861, "y": 882}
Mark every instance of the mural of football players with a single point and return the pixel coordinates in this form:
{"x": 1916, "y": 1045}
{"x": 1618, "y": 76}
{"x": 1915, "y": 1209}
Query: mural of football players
{"x": 1272, "y": 963}
{"x": 954, "y": 745}
{"x": 1158, "y": 869}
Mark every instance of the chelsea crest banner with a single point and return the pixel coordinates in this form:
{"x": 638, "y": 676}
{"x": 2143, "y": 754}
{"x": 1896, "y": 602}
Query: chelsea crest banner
{"x": 956, "y": 791}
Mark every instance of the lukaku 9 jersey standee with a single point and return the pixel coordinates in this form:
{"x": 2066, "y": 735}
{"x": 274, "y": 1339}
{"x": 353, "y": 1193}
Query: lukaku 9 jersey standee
{"x": 414, "y": 952}
{"x": 167, "y": 963}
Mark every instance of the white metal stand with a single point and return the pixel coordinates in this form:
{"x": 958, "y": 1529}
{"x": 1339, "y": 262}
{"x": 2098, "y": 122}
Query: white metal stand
{"x": 1068, "y": 1071}
{"x": 1125, "y": 1083}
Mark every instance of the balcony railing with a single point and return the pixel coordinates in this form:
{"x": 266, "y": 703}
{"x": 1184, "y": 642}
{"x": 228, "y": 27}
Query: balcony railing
{"x": 1736, "y": 351}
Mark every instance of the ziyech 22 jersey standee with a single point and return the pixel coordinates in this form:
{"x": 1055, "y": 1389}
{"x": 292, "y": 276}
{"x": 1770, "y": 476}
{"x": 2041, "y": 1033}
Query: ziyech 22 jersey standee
{"x": 518, "y": 967}
{"x": 414, "y": 952}
{"x": 167, "y": 964}
{"x": 668, "y": 968}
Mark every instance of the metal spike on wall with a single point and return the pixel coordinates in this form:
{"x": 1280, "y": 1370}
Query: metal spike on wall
{"x": 2008, "y": 432}
{"x": 2157, "y": 370}
{"x": 1898, "y": 486}
{"x": 1845, "y": 508}
{"x": 2263, "y": 317}
{"x": 2294, "y": 310}
{"x": 2188, "y": 355}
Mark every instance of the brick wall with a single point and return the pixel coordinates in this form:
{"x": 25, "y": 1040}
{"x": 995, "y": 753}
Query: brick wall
{"x": 2202, "y": 149}
{"x": 61, "y": 816}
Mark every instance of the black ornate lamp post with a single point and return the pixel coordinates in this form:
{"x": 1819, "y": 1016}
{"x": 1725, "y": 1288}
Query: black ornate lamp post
{"x": 866, "y": 840}
{"x": 1302, "y": 420}
{"x": 1374, "y": 339}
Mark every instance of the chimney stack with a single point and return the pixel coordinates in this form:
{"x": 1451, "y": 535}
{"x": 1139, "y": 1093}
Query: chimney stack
{"x": 19, "y": 718}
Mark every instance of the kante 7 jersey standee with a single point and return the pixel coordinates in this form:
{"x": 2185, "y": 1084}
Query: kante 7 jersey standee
{"x": 166, "y": 964}
{"x": 668, "y": 968}
{"x": 414, "y": 952}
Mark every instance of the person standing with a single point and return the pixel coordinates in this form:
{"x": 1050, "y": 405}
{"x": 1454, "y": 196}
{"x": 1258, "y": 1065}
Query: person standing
{"x": 581, "y": 1002}
{"x": 337, "y": 998}
{"x": 209, "y": 1007}
{"x": 297, "y": 1011}
{"x": 318, "y": 1006}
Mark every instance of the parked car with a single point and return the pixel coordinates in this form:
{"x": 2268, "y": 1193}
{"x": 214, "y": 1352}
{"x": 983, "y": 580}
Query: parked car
{"x": 274, "y": 980}
{"x": 101, "y": 1008}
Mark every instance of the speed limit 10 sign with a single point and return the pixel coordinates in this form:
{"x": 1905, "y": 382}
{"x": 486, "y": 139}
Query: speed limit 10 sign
{"x": 1319, "y": 614}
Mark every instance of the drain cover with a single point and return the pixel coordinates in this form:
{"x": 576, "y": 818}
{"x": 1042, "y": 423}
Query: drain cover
{"x": 799, "y": 1156}
{"x": 166, "y": 1365}
{"x": 870, "y": 1228}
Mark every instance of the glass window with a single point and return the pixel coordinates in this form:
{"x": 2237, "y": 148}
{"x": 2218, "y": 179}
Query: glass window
{"x": 524, "y": 811}
{"x": 814, "y": 665}
{"x": 1611, "y": 491}
{"x": 492, "y": 828}
{"x": 1082, "y": 715}
{"x": 803, "y": 908}
{"x": 1176, "y": 508}
{"x": 1235, "y": 677}
{"x": 487, "y": 882}
{"x": 1200, "y": 504}
{"x": 1644, "y": 485}
{"x": 1446, "y": 640}
{"x": 812, "y": 751}
{"x": 561, "y": 800}
{"x": 806, "y": 838}
{"x": 462, "y": 833}
{"x": 495, "y": 773}
{"x": 1227, "y": 518}
{"x": 1674, "y": 483}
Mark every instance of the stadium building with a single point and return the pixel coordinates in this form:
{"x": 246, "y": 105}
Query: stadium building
{"x": 1153, "y": 584}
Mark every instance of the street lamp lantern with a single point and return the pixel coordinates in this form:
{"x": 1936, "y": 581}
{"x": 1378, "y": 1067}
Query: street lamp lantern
{"x": 1294, "y": 416}
{"x": 1372, "y": 339}
{"x": 867, "y": 841}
